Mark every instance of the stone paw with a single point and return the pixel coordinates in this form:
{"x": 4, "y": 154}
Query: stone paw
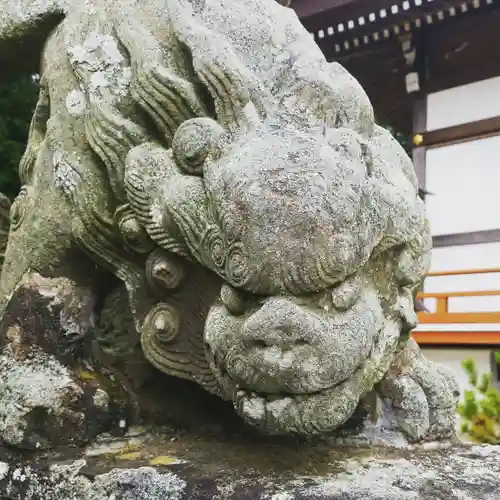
{"x": 421, "y": 395}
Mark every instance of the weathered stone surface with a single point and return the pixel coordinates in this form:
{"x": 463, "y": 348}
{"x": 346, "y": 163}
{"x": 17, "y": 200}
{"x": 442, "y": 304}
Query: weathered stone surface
{"x": 185, "y": 469}
{"x": 4, "y": 225}
{"x": 24, "y": 27}
{"x": 50, "y": 389}
{"x": 20, "y": 15}
{"x": 203, "y": 158}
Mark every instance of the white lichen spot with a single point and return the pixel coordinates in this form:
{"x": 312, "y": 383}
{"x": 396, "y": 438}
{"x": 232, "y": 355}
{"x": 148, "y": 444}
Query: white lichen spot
{"x": 282, "y": 496}
{"x": 141, "y": 483}
{"x": 66, "y": 177}
{"x": 254, "y": 409}
{"x": 99, "y": 79}
{"x": 104, "y": 72}
{"x": 160, "y": 323}
{"x": 38, "y": 382}
{"x": 101, "y": 399}
{"x": 278, "y": 407}
{"x": 4, "y": 470}
{"x": 75, "y": 103}
{"x": 19, "y": 475}
{"x": 122, "y": 424}
{"x": 156, "y": 213}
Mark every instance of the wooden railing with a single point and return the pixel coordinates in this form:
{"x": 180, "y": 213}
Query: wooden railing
{"x": 442, "y": 315}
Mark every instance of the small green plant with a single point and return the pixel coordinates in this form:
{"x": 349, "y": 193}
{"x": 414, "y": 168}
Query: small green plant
{"x": 480, "y": 408}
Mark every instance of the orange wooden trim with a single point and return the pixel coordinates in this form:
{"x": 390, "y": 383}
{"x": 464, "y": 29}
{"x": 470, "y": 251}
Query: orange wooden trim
{"x": 460, "y": 317}
{"x": 446, "y": 295}
{"x": 457, "y": 338}
{"x": 441, "y": 305}
{"x": 442, "y": 316}
{"x": 463, "y": 272}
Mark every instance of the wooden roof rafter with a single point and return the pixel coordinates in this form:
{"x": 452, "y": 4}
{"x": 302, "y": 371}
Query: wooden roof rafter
{"x": 382, "y": 19}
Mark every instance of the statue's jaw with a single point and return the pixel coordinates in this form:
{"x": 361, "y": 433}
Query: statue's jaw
{"x": 303, "y": 414}
{"x": 295, "y": 408}
{"x": 315, "y": 413}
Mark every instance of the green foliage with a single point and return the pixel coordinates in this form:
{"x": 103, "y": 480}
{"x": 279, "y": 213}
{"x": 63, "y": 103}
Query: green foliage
{"x": 480, "y": 408}
{"x": 18, "y": 96}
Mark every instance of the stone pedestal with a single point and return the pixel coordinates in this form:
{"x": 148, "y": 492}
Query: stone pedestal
{"x": 170, "y": 466}
{"x": 53, "y": 391}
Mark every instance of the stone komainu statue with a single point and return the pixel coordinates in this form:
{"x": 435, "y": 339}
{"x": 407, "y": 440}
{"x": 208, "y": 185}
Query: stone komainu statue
{"x": 268, "y": 234}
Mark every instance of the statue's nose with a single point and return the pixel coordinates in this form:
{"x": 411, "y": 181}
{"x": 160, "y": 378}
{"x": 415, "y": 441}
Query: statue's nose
{"x": 278, "y": 323}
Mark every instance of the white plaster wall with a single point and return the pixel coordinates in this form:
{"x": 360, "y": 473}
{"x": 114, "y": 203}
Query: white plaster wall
{"x": 465, "y": 181}
{"x": 452, "y": 358}
{"x": 464, "y": 104}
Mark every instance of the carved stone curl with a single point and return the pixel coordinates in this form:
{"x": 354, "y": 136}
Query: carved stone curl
{"x": 161, "y": 324}
{"x": 193, "y": 142}
{"x": 164, "y": 271}
{"x": 132, "y": 232}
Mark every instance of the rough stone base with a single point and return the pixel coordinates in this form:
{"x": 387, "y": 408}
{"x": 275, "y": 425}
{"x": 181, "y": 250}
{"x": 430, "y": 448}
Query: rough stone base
{"x": 188, "y": 467}
{"x": 52, "y": 389}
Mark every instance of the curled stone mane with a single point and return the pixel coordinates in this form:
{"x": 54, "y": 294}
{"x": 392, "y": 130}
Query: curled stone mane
{"x": 267, "y": 233}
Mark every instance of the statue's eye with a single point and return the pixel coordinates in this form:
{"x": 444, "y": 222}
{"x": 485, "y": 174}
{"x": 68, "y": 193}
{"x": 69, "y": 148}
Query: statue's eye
{"x": 18, "y": 209}
{"x": 194, "y": 140}
{"x": 344, "y": 295}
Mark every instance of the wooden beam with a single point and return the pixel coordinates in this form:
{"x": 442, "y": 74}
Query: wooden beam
{"x": 309, "y": 8}
{"x": 396, "y": 20}
{"x": 340, "y": 10}
{"x": 466, "y": 49}
{"x": 418, "y": 154}
{"x": 356, "y": 28}
{"x": 464, "y": 272}
{"x": 460, "y": 133}
{"x": 320, "y": 14}
{"x": 420, "y": 108}
{"x": 457, "y": 338}
{"x": 470, "y": 238}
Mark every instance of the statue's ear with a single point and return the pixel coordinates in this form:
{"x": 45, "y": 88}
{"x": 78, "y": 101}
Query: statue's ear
{"x": 327, "y": 95}
{"x": 24, "y": 28}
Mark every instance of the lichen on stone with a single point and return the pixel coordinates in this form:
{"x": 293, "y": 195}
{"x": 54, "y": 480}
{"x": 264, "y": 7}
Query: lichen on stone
{"x": 38, "y": 382}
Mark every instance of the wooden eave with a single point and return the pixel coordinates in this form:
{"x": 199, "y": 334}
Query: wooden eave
{"x": 461, "y": 50}
{"x": 350, "y": 25}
